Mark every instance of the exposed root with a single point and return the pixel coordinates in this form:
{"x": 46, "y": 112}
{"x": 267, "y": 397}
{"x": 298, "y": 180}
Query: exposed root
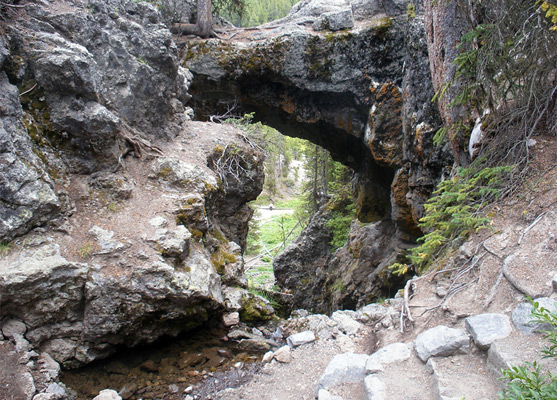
{"x": 137, "y": 145}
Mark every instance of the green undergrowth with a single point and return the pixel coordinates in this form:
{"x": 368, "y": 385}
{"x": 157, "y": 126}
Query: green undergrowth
{"x": 456, "y": 209}
{"x": 260, "y": 276}
{"x": 339, "y": 222}
{"x": 531, "y": 380}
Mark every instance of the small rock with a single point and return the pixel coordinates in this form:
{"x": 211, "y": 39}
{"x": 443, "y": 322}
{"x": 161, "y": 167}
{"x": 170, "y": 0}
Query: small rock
{"x": 372, "y": 312}
{"x": 231, "y": 319}
{"x": 283, "y": 355}
{"x": 106, "y": 240}
{"x": 257, "y": 345}
{"x": 13, "y": 327}
{"x": 28, "y": 385}
{"x": 346, "y": 321}
{"x": 343, "y": 368}
{"x": 267, "y": 357}
{"x": 374, "y": 388}
{"x": 440, "y": 341}
{"x": 128, "y": 391}
{"x": 522, "y": 316}
{"x": 486, "y": 328}
{"x": 21, "y": 344}
{"x": 301, "y": 338}
{"x": 188, "y": 390}
{"x": 56, "y": 389}
{"x": 107, "y": 394}
{"x": 49, "y": 366}
{"x": 173, "y": 388}
{"x": 158, "y": 222}
{"x": 46, "y": 396}
{"x": 325, "y": 395}
{"x": 150, "y": 366}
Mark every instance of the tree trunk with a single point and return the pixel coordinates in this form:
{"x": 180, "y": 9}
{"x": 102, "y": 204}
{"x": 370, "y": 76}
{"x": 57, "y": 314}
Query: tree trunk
{"x": 204, "y": 18}
{"x": 204, "y": 24}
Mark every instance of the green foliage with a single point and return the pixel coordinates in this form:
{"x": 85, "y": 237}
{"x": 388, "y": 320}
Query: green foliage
{"x": 86, "y": 250}
{"x": 531, "y": 380}
{"x": 410, "y": 11}
{"x": 339, "y": 223}
{"x": 454, "y": 211}
{"x": 338, "y": 286}
{"x": 505, "y": 65}
{"x": 257, "y": 12}
{"x": 550, "y": 13}
{"x": 4, "y": 249}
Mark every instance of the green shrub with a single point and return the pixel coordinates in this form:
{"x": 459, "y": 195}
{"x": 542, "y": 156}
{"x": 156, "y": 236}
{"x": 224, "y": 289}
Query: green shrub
{"x": 531, "y": 380}
{"x": 453, "y": 212}
{"x": 339, "y": 223}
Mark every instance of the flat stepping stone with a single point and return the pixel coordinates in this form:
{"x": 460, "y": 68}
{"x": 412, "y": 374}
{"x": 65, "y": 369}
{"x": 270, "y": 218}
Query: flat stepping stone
{"x": 487, "y": 328}
{"x": 463, "y": 376}
{"x": 301, "y": 338}
{"x": 404, "y": 380}
{"x": 516, "y": 349}
{"x": 343, "y": 368}
{"x": 395, "y": 352}
{"x": 441, "y": 341}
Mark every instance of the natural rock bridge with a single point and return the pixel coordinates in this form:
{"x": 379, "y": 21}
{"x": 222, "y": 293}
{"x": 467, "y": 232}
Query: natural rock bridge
{"x": 362, "y": 93}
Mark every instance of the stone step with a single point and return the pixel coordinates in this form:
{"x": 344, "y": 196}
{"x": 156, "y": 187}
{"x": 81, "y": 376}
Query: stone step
{"x": 517, "y": 349}
{"x": 403, "y": 380}
{"x": 463, "y": 376}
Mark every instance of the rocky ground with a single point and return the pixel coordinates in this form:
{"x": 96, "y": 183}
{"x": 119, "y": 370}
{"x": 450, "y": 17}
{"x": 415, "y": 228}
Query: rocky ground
{"x": 123, "y": 221}
{"x": 488, "y": 279}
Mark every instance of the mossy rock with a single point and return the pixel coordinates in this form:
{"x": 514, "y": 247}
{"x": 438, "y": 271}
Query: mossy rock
{"x": 255, "y": 308}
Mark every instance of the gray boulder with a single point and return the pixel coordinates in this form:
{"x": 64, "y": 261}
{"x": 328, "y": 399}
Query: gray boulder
{"x": 374, "y": 388}
{"x": 440, "y": 341}
{"x": 346, "y": 320}
{"x": 41, "y": 287}
{"x": 522, "y": 315}
{"x": 335, "y": 20}
{"x": 487, "y": 328}
{"x": 395, "y": 352}
{"x": 325, "y": 395}
{"x": 343, "y": 368}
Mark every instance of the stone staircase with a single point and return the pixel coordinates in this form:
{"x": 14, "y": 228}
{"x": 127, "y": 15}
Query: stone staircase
{"x": 442, "y": 363}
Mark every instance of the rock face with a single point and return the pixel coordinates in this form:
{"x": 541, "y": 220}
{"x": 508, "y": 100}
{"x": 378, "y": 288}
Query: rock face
{"x": 27, "y": 194}
{"x": 101, "y": 77}
{"x": 350, "y": 278}
{"x": 123, "y": 225}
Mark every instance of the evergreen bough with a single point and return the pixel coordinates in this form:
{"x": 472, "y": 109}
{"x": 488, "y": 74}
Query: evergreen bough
{"x": 455, "y": 210}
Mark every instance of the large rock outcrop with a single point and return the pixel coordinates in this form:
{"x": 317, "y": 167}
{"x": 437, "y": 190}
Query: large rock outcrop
{"x": 364, "y": 93}
{"x": 121, "y": 220}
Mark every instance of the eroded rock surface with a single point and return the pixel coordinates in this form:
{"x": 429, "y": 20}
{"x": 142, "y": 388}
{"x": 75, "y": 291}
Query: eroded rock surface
{"x": 120, "y": 224}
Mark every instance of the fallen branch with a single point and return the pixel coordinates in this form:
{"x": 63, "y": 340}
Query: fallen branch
{"x": 405, "y": 309}
{"x": 538, "y": 219}
{"x": 28, "y": 91}
{"x": 12, "y": 5}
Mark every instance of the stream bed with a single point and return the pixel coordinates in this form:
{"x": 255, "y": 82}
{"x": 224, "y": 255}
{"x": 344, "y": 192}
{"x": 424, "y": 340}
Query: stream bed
{"x": 163, "y": 370}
